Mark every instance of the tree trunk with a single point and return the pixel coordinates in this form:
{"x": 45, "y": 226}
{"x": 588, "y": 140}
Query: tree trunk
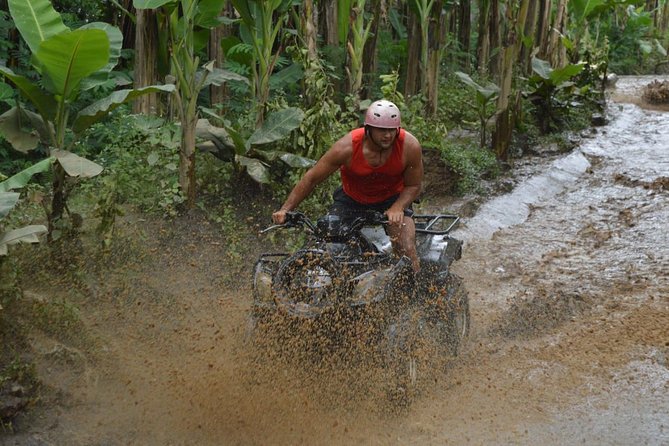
{"x": 556, "y": 51}
{"x": 464, "y": 33}
{"x": 543, "y": 28}
{"x": 495, "y": 38}
{"x": 412, "y": 80}
{"x": 437, "y": 38}
{"x": 483, "y": 42}
{"x": 530, "y": 31}
{"x": 187, "y": 161}
{"x": 505, "y": 115}
{"x": 218, "y": 93}
{"x": 58, "y": 201}
{"x": 664, "y": 22}
{"x": 369, "y": 62}
{"x": 146, "y": 73}
{"x": 328, "y": 22}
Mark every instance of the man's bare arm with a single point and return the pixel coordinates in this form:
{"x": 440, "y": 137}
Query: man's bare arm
{"x": 334, "y": 158}
{"x": 413, "y": 179}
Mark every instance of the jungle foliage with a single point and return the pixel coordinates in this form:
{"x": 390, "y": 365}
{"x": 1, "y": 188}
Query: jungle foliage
{"x": 261, "y": 89}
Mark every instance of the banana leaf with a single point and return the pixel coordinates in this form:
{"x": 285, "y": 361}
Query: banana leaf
{"x": 36, "y": 20}
{"x": 27, "y": 234}
{"x": 7, "y": 202}
{"x": 277, "y": 126}
{"x": 22, "y": 178}
{"x": 115, "y": 44}
{"x": 44, "y": 102}
{"x": 76, "y": 166}
{"x": 98, "y": 110}
{"x": 69, "y": 57}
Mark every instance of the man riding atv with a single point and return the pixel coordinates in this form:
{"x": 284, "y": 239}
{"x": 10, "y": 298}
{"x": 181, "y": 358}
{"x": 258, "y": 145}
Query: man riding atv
{"x": 381, "y": 169}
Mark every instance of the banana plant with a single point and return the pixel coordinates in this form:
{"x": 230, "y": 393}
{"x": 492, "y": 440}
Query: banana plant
{"x": 246, "y": 153}
{"x": 69, "y": 62}
{"x": 185, "y": 17}
{"x": 9, "y": 199}
{"x": 545, "y": 84}
{"x": 484, "y": 95}
{"x": 262, "y": 22}
{"x": 356, "y": 45}
{"x": 422, "y": 9}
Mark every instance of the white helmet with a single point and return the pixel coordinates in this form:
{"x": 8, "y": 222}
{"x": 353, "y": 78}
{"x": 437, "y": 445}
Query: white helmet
{"x": 383, "y": 114}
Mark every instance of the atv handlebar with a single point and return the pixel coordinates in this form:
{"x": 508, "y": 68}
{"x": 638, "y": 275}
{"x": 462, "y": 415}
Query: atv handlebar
{"x": 438, "y": 224}
{"x": 294, "y": 219}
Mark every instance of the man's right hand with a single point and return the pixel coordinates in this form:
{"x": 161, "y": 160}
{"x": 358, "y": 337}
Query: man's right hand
{"x": 279, "y": 217}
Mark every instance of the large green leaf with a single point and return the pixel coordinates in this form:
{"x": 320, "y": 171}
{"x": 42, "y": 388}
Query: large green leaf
{"x": 296, "y": 161}
{"x": 98, "y": 110}
{"x": 565, "y": 73}
{"x": 27, "y": 234}
{"x": 14, "y": 130}
{"x": 288, "y": 76}
{"x": 150, "y": 4}
{"x": 36, "y": 20}
{"x": 255, "y": 168}
{"x": 7, "y": 202}
{"x": 6, "y": 93}
{"x": 115, "y": 44}
{"x": 466, "y": 79}
{"x": 581, "y": 9}
{"x": 22, "y": 178}
{"x": 277, "y": 126}
{"x": 542, "y": 68}
{"x": 70, "y": 57}
{"x": 76, "y": 166}
{"x": 245, "y": 10}
{"x": 44, "y": 102}
{"x": 218, "y": 76}
{"x": 209, "y": 12}
{"x": 24, "y": 129}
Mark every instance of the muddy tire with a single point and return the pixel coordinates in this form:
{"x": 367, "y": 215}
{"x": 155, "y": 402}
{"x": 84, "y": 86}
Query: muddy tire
{"x": 305, "y": 284}
{"x": 458, "y": 316}
{"x": 403, "y": 356}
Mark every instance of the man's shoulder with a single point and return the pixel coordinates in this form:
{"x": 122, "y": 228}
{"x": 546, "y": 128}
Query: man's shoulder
{"x": 411, "y": 142}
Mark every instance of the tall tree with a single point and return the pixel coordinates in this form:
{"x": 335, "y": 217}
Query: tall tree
{"x": 508, "y": 103}
{"x": 370, "y": 61}
{"x": 358, "y": 35}
{"x": 556, "y": 51}
{"x": 146, "y": 55}
{"x": 483, "y": 40}
{"x": 436, "y": 41}
{"x": 328, "y": 22}
{"x": 218, "y": 93}
{"x": 412, "y": 79}
{"x": 543, "y": 33}
{"x": 464, "y": 32}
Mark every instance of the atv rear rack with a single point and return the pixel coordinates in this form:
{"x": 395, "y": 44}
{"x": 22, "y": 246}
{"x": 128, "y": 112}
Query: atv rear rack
{"x": 434, "y": 224}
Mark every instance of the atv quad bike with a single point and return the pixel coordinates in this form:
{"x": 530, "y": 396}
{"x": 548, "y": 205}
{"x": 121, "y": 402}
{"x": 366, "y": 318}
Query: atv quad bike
{"x": 346, "y": 270}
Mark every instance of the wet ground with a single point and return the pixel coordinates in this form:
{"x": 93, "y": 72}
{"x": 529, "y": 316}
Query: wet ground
{"x": 569, "y": 286}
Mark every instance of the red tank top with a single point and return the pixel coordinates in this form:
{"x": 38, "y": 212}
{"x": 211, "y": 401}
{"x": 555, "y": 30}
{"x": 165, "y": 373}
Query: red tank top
{"x": 367, "y": 184}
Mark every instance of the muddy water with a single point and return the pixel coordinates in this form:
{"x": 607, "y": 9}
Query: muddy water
{"x": 568, "y": 278}
{"x": 587, "y": 237}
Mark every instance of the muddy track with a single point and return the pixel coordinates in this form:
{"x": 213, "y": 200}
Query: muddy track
{"x": 568, "y": 278}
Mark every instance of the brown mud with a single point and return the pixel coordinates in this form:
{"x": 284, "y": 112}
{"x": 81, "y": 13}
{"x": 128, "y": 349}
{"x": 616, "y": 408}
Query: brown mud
{"x": 570, "y": 339}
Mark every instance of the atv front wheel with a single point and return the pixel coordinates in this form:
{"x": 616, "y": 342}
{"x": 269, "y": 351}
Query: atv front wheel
{"x": 305, "y": 283}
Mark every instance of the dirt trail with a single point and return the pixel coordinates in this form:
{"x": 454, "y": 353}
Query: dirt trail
{"x": 570, "y": 306}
